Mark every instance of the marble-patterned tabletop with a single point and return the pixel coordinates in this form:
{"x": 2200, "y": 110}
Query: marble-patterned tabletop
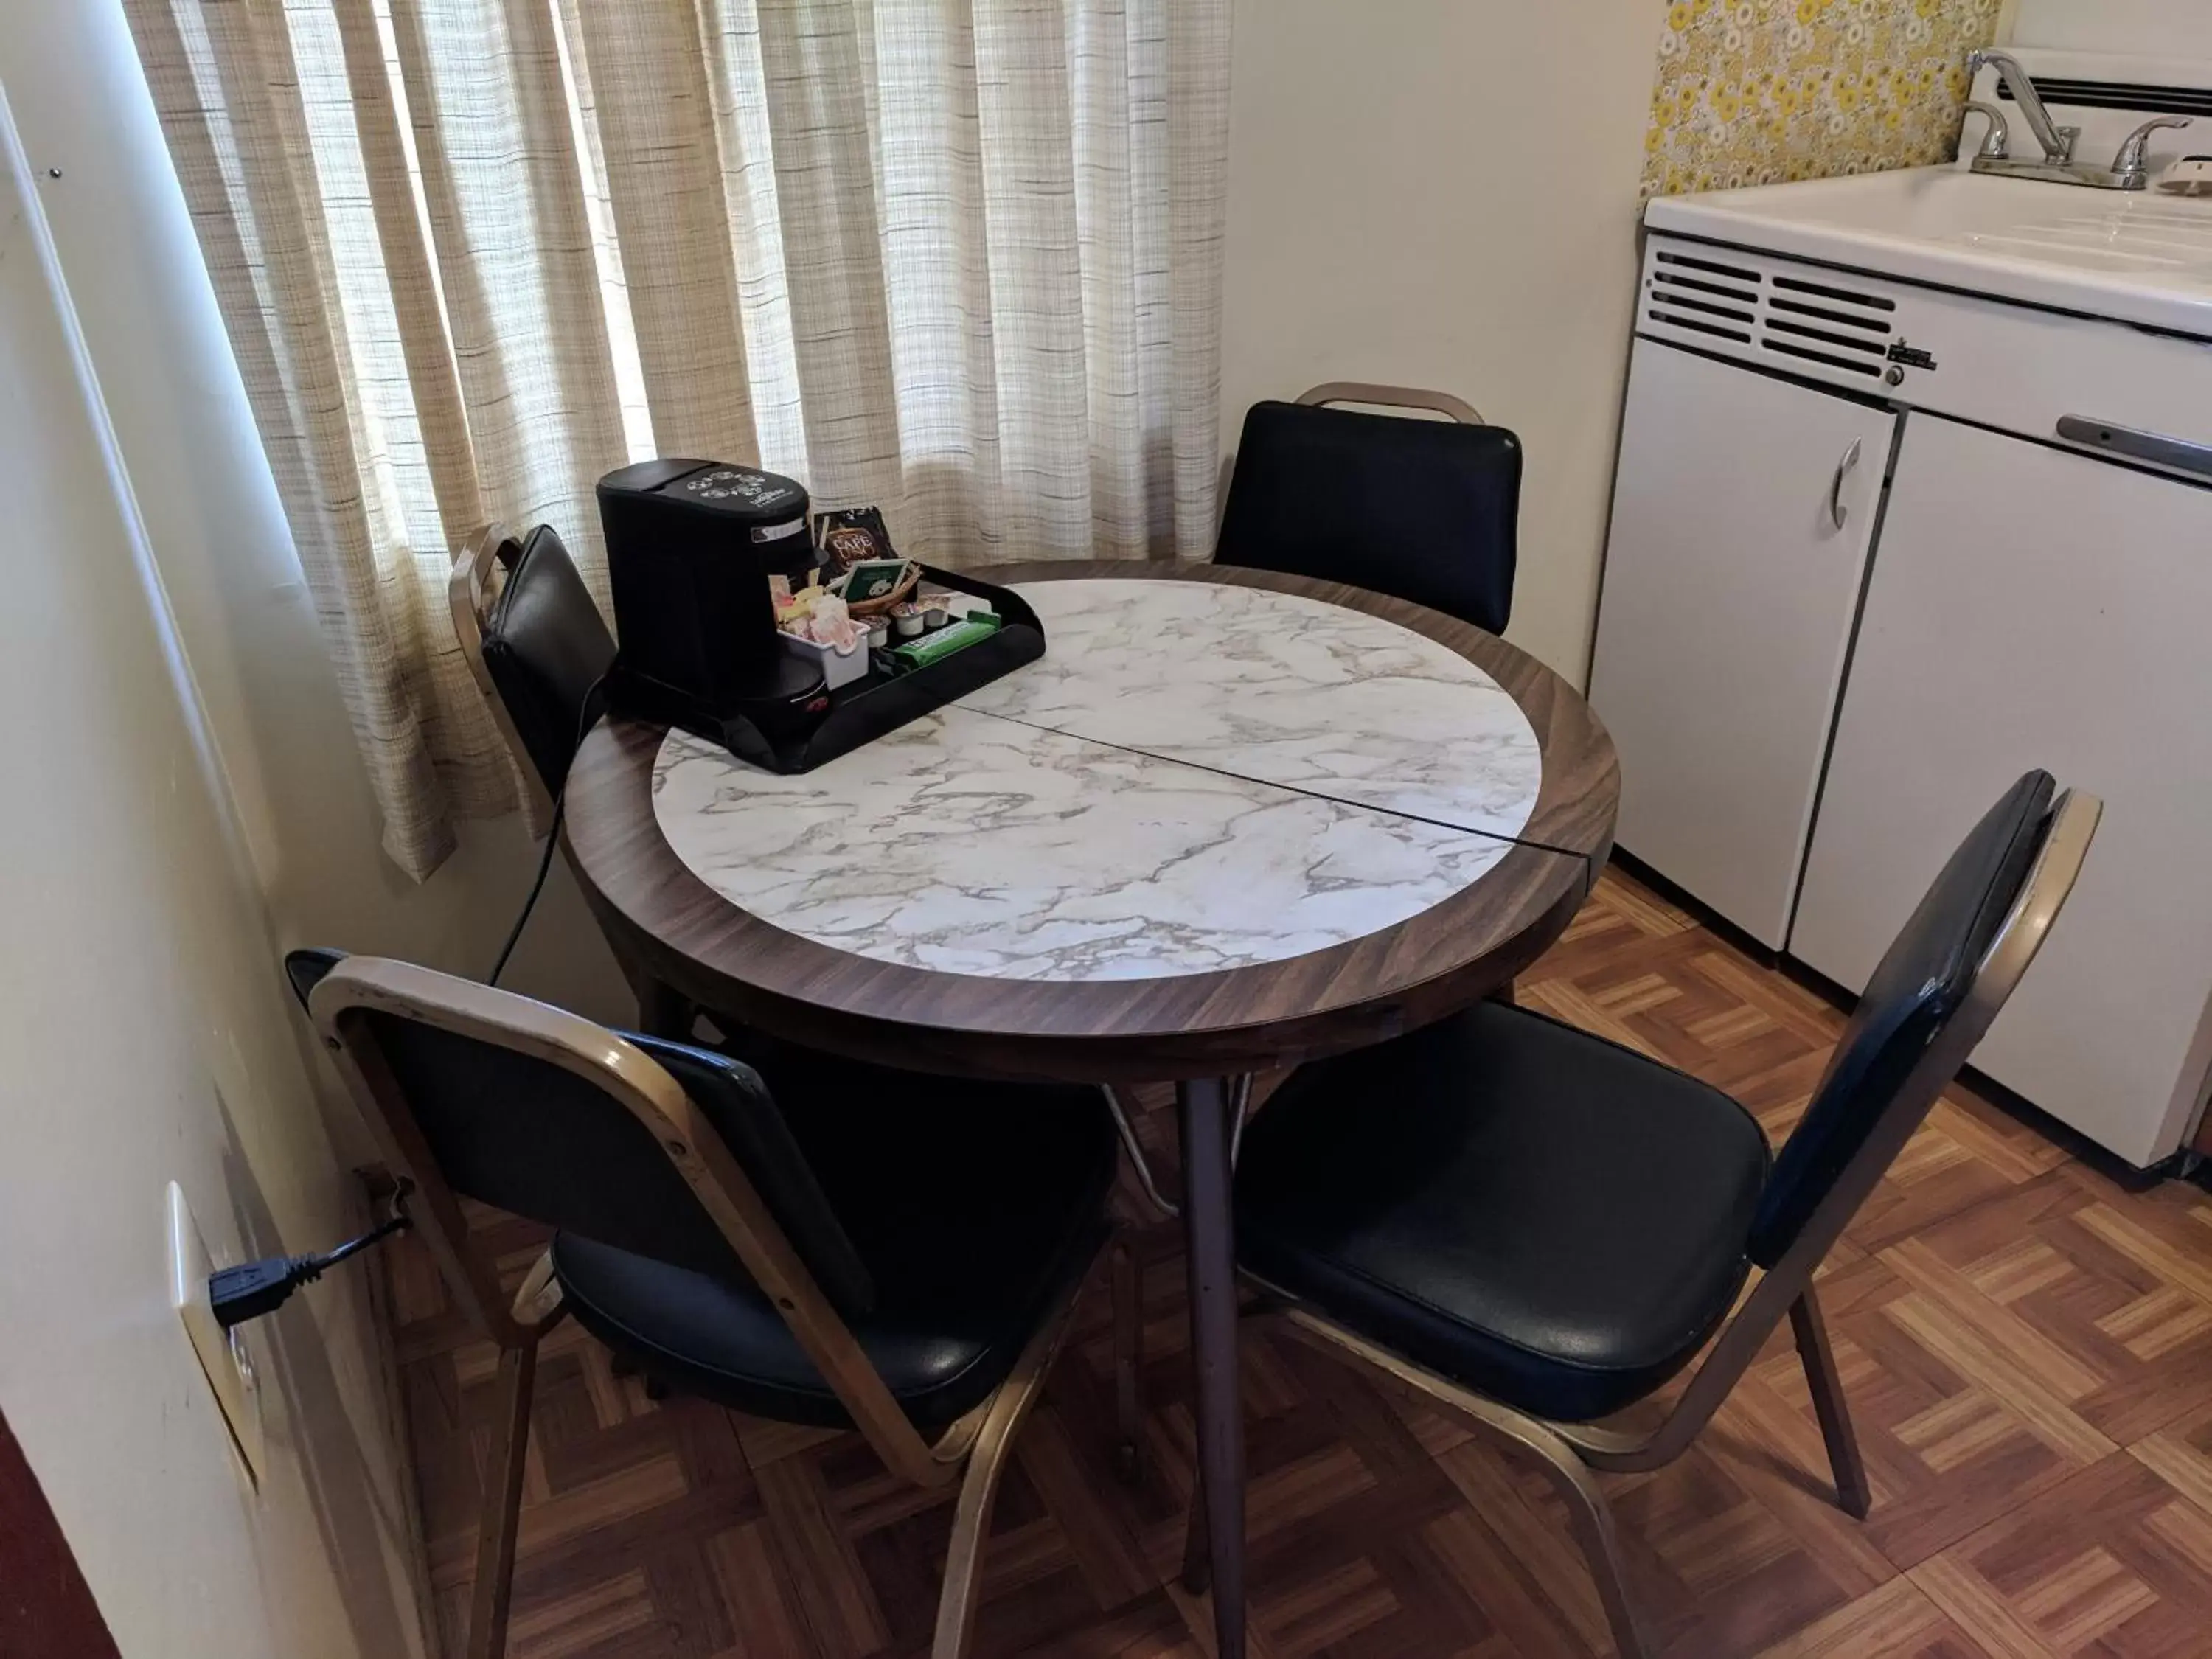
{"x": 1277, "y": 687}
{"x": 1194, "y": 777}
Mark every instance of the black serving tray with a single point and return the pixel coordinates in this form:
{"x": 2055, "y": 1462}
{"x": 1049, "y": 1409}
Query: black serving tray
{"x": 864, "y": 710}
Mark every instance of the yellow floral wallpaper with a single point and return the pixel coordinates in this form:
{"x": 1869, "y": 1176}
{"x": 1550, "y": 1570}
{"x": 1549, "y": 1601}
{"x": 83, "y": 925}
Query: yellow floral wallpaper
{"x": 1754, "y": 92}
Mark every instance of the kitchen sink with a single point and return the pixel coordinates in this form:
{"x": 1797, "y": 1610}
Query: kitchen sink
{"x": 2142, "y": 258}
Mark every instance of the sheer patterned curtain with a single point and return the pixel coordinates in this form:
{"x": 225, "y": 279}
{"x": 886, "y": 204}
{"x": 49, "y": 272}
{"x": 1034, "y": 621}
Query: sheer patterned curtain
{"x": 958, "y": 257}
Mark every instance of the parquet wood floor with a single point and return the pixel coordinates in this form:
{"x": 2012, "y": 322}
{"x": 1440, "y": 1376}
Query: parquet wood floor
{"x": 2026, "y": 1347}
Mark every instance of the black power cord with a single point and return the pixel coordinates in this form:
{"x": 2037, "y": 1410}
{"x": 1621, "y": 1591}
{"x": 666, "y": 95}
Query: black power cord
{"x": 589, "y": 713}
{"x": 537, "y": 887}
{"x": 256, "y": 1288}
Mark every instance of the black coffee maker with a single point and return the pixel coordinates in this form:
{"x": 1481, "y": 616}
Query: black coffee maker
{"x": 690, "y": 547}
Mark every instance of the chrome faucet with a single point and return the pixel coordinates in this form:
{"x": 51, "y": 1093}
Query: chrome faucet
{"x": 2131, "y": 168}
{"x": 1997, "y": 142}
{"x": 2058, "y": 141}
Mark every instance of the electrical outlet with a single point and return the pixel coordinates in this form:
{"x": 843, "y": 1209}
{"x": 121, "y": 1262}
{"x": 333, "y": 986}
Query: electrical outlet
{"x": 224, "y": 1357}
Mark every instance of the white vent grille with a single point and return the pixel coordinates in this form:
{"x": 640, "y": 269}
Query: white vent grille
{"x": 1731, "y": 297}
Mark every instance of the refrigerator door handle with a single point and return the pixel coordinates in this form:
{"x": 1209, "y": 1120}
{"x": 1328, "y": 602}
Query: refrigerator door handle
{"x": 1837, "y": 512}
{"x": 2156, "y": 447}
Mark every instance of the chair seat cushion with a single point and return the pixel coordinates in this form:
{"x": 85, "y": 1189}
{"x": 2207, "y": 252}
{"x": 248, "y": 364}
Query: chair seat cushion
{"x": 1540, "y": 1215}
{"x": 972, "y": 1205}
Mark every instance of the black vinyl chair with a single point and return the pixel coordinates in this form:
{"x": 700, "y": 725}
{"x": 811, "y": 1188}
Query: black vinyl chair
{"x": 536, "y": 645}
{"x": 1427, "y": 511}
{"x": 539, "y": 652}
{"x": 1536, "y": 1228}
{"x": 903, "y": 1262}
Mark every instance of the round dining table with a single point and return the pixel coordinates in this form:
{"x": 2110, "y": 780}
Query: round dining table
{"x": 1230, "y": 822}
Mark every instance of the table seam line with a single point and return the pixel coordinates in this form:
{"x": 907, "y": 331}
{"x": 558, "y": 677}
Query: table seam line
{"x": 1290, "y": 788}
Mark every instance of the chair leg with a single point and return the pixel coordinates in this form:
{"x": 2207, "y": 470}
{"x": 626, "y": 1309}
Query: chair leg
{"x": 963, "y": 1561}
{"x": 1600, "y": 1543}
{"x": 502, "y": 1505}
{"x": 1505, "y": 994}
{"x": 1515, "y": 1432}
{"x": 1853, "y": 1496}
{"x": 1129, "y": 1358}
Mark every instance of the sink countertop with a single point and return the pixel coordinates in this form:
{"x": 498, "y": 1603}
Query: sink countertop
{"x": 2143, "y": 257}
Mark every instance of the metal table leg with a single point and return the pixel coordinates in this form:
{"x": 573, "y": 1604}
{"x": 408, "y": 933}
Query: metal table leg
{"x": 1204, "y": 1111}
{"x": 663, "y": 1011}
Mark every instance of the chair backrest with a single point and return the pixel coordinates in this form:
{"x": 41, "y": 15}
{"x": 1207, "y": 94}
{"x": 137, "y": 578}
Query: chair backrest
{"x": 535, "y": 644}
{"x": 1426, "y": 511}
{"x": 1942, "y": 982}
{"x": 305, "y": 969}
{"x": 649, "y": 1146}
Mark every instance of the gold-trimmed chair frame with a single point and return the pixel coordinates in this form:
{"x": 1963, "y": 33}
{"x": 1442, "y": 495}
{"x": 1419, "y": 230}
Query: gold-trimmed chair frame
{"x": 973, "y": 1448}
{"x": 1573, "y": 1453}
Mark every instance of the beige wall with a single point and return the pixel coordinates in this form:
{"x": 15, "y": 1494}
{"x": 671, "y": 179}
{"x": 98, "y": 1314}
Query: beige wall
{"x": 1443, "y": 193}
{"x": 150, "y": 1039}
{"x": 2158, "y": 29}
{"x": 134, "y": 274}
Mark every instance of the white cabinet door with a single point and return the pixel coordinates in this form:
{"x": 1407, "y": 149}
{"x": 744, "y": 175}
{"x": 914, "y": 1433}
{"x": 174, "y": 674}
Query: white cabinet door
{"x": 1741, "y": 517}
{"x": 2034, "y": 608}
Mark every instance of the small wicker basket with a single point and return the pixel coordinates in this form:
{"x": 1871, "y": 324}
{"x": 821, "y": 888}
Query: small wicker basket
{"x": 876, "y": 606}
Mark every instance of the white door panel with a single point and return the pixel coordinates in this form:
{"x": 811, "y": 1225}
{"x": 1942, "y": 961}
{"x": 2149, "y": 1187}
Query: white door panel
{"x": 1729, "y": 592}
{"x": 2033, "y": 608}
